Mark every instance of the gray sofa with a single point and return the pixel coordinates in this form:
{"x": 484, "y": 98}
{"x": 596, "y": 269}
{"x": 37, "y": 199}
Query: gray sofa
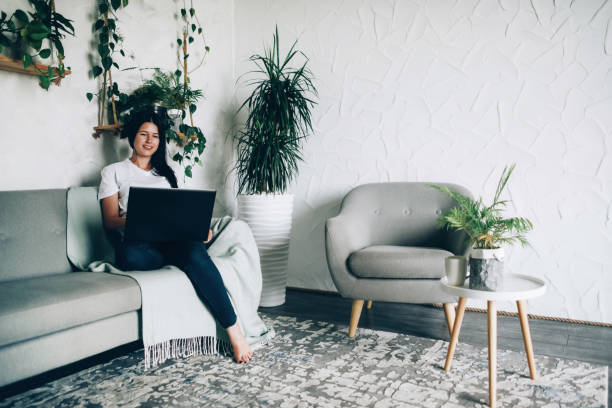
{"x": 50, "y": 314}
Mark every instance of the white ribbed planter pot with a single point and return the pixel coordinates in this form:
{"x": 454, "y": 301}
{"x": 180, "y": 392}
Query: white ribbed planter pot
{"x": 269, "y": 216}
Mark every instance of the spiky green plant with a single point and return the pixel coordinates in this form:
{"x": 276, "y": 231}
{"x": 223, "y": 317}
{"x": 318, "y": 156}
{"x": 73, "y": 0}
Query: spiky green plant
{"x": 484, "y": 225}
{"x": 269, "y": 148}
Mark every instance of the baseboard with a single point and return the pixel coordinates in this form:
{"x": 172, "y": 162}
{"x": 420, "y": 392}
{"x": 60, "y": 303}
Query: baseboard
{"x": 478, "y": 310}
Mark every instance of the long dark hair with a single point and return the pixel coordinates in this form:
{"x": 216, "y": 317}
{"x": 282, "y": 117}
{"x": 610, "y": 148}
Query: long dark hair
{"x": 159, "y": 117}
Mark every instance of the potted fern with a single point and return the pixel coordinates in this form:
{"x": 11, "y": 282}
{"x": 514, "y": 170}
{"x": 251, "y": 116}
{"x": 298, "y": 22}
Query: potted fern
{"x": 487, "y": 231}
{"x": 268, "y": 152}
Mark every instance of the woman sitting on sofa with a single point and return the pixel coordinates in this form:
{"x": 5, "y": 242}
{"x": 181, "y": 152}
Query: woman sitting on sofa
{"x": 147, "y": 167}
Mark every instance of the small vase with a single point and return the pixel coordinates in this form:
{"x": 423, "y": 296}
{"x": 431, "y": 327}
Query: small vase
{"x": 487, "y": 269}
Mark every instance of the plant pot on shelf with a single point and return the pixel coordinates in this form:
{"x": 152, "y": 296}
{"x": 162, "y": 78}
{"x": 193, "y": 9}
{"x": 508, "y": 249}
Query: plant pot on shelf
{"x": 487, "y": 269}
{"x": 269, "y": 217}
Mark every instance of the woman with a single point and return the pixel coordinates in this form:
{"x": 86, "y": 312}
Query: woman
{"x": 147, "y": 167}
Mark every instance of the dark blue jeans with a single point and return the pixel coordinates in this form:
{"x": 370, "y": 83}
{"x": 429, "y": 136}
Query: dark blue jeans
{"x": 189, "y": 256}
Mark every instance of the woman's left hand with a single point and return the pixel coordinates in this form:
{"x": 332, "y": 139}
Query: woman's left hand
{"x": 209, "y": 237}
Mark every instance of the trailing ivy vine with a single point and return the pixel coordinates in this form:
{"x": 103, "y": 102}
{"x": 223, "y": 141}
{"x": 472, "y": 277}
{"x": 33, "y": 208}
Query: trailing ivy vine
{"x": 109, "y": 45}
{"x": 192, "y": 139}
{"x": 41, "y": 31}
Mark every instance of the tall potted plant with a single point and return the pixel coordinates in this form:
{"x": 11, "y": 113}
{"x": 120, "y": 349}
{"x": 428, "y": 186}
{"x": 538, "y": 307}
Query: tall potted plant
{"x": 487, "y": 231}
{"x": 269, "y": 149}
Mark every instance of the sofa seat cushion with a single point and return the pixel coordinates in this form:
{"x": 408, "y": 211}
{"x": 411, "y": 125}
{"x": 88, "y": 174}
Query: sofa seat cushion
{"x": 398, "y": 262}
{"x": 43, "y": 305}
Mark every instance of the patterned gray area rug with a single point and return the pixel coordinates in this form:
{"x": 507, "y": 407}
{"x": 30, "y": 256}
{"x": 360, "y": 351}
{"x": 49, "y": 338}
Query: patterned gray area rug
{"x": 315, "y": 364}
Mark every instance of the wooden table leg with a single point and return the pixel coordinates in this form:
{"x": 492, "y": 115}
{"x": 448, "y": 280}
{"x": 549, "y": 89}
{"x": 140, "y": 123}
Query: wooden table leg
{"x": 492, "y": 317}
{"x": 526, "y": 337}
{"x": 455, "y": 334}
{"x": 449, "y": 313}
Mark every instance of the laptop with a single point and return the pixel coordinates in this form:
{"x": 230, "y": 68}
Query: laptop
{"x": 168, "y": 214}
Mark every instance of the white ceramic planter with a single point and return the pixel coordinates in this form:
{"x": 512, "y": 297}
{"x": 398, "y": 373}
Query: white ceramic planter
{"x": 487, "y": 269}
{"x": 269, "y": 216}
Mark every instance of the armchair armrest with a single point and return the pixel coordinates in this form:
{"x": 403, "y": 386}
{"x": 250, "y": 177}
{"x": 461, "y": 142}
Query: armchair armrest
{"x": 343, "y": 236}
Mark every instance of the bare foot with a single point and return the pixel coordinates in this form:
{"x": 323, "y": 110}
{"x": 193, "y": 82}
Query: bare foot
{"x": 242, "y": 350}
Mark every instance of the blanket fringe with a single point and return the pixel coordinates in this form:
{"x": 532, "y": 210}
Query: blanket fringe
{"x": 156, "y": 354}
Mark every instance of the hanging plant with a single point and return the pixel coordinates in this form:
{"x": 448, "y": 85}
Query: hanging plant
{"x": 109, "y": 45}
{"x": 190, "y": 137}
{"x": 40, "y": 31}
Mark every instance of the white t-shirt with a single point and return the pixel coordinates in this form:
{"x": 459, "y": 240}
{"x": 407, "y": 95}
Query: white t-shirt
{"x": 120, "y": 176}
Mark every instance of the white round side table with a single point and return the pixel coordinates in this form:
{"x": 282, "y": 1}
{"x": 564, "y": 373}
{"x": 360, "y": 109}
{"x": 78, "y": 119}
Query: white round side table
{"x": 516, "y": 288}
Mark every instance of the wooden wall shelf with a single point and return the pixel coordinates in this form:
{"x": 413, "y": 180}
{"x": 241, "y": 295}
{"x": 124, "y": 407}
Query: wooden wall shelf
{"x": 13, "y": 65}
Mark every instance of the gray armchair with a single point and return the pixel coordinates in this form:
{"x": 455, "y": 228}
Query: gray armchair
{"x": 385, "y": 245}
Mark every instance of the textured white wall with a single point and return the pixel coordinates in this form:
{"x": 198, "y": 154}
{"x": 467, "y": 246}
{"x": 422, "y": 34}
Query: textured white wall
{"x": 453, "y": 91}
{"x": 410, "y": 90}
{"x": 45, "y": 137}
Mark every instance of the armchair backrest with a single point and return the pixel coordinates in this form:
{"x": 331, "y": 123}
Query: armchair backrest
{"x": 403, "y": 213}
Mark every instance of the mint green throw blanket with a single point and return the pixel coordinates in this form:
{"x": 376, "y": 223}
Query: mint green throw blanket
{"x": 175, "y": 323}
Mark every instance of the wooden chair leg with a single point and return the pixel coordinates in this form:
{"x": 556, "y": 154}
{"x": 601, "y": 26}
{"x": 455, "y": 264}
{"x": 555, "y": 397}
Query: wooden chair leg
{"x": 355, "y": 315}
{"x": 369, "y": 304}
{"x": 449, "y": 312}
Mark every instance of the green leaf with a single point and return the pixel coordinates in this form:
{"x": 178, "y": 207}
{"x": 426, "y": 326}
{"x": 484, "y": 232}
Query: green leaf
{"x": 27, "y": 60}
{"x": 125, "y": 3}
{"x": 97, "y": 71}
{"x": 46, "y": 53}
{"x": 177, "y": 157}
{"x": 122, "y": 53}
{"x": 89, "y": 96}
{"x": 192, "y": 108}
{"x": 4, "y": 40}
{"x": 42, "y": 9}
{"x": 193, "y": 27}
{"x": 116, "y": 4}
{"x": 103, "y": 7}
{"x": 45, "y": 81}
{"x": 192, "y": 12}
{"x": 36, "y": 44}
{"x": 99, "y": 24}
{"x": 59, "y": 47}
{"x": 123, "y": 98}
{"x": 179, "y": 41}
{"x": 107, "y": 62}
{"x": 207, "y": 48}
{"x": 190, "y": 39}
{"x": 183, "y": 12}
{"x": 103, "y": 50}
{"x": 21, "y": 16}
{"x": 199, "y": 30}
{"x": 188, "y": 171}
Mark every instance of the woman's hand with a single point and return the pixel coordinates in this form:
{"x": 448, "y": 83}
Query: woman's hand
{"x": 110, "y": 212}
{"x": 209, "y": 237}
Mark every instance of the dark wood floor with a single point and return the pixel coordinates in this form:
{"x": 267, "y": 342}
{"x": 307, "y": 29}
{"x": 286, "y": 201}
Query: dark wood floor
{"x": 565, "y": 340}
{"x": 558, "y": 339}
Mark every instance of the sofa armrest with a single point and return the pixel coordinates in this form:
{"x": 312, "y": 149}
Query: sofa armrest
{"x": 343, "y": 236}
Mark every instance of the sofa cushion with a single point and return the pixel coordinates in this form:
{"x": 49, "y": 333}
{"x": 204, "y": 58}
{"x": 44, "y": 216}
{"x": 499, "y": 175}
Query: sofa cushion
{"x": 398, "y": 262}
{"x": 38, "y": 306}
{"x": 32, "y": 233}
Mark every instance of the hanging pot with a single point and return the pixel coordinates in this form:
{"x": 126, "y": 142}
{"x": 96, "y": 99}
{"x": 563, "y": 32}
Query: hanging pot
{"x": 176, "y": 118}
{"x": 487, "y": 269}
{"x": 269, "y": 217}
